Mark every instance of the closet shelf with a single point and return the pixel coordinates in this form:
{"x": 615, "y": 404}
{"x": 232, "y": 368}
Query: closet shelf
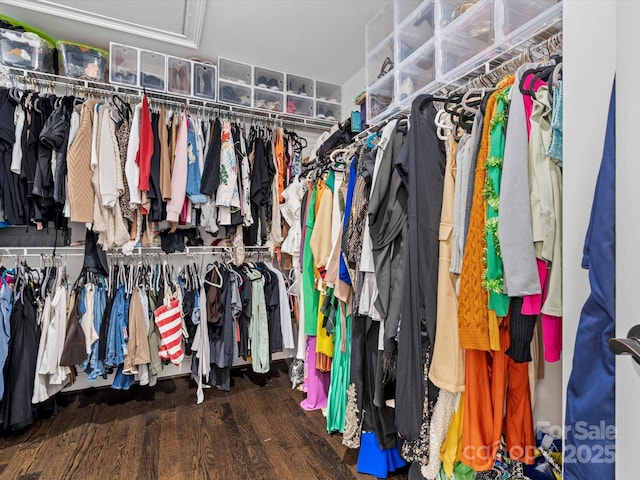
{"x": 10, "y": 76}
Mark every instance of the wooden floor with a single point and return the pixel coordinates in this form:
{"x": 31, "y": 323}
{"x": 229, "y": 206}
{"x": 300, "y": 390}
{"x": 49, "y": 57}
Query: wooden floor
{"x": 256, "y": 431}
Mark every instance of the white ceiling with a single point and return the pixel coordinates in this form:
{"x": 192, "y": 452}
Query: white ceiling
{"x": 319, "y": 39}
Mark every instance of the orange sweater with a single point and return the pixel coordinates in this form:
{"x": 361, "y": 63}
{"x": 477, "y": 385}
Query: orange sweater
{"x": 473, "y": 312}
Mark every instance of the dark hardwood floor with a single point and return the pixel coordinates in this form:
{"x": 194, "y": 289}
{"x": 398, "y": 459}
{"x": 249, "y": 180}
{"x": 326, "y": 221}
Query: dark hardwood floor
{"x": 256, "y": 431}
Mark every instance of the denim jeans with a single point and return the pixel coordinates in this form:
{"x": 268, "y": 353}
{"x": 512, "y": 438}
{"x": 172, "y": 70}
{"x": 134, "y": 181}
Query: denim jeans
{"x": 92, "y": 365}
{"x": 193, "y": 168}
{"x": 118, "y": 323}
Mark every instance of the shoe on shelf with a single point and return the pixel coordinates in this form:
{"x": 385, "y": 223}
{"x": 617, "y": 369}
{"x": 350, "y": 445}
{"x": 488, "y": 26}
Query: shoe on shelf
{"x": 261, "y": 103}
{"x": 406, "y": 89}
{"x": 273, "y": 84}
{"x": 291, "y": 107}
{"x": 302, "y": 90}
{"x": 262, "y": 82}
{"x": 320, "y": 113}
{"x": 330, "y": 115}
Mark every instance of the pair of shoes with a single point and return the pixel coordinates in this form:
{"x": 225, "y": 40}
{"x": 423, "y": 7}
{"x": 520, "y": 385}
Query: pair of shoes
{"x": 272, "y": 83}
{"x": 291, "y": 107}
{"x": 406, "y": 89}
{"x": 302, "y": 90}
{"x": 328, "y": 115}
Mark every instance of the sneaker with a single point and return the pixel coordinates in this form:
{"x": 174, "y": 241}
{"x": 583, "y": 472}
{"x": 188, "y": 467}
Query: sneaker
{"x": 302, "y": 90}
{"x": 262, "y": 82}
{"x": 262, "y": 103}
{"x": 320, "y": 113}
{"x": 330, "y": 116}
{"x": 291, "y": 107}
{"x": 407, "y": 88}
{"x": 273, "y": 84}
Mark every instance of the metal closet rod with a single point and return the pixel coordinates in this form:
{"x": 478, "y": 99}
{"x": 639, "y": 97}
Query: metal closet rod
{"x": 79, "y": 251}
{"x": 29, "y": 79}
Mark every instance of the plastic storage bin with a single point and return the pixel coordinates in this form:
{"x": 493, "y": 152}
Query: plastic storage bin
{"x": 452, "y": 11}
{"x": 468, "y": 40}
{"x": 268, "y": 100}
{"x": 268, "y": 79}
{"x": 404, "y": 8}
{"x": 300, "y": 85}
{"x": 380, "y": 61}
{"x": 328, "y": 91}
{"x": 179, "y": 75}
{"x": 233, "y": 71}
{"x": 415, "y": 30}
{"x": 417, "y": 74}
{"x": 297, "y": 105}
{"x": 516, "y": 14}
{"x": 82, "y": 61}
{"x": 233, "y": 93}
{"x": 380, "y": 97}
{"x": 328, "y": 111}
{"x": 123, "y": 64}
{"x": 380, "y": 28}
{"x": 205, "y": 80}
{"x": 153, "y": 70}
{"x": 25, "y": 50}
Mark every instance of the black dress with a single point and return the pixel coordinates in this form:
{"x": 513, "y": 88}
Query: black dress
{"x": 421, "y": 164}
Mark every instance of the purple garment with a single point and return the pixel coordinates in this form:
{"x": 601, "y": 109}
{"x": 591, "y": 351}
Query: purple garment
{"x": 317, "y": 382}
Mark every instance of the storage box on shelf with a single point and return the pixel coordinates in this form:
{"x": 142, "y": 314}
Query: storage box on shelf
{"x": 380, "y": 61}
{"x": 404, "y": 8}
{"x": 300, "y": 105}
{"x": 233, "y": 71}
{"x": 205, "y": 80}
{"x": 519, "y": 13}
{"x": 179, "y": 74}
{"x": 25, "y": 50}
{"x": 298, "y": 85}
{"x": 234, "y": 93}
{"x": 82, "y": 61}
{"x": 268, "y": 100}
{"x": 380, "y": 99}
{"x": 328, "y": 92}
{"x": 417, "y": 74}
{"x": 123, "y": 64}
{"x": 153, "y": 70}
{"x": 268, "y": 79}
{"x": 328, "y": 111}
{"x": 415, "y": 30}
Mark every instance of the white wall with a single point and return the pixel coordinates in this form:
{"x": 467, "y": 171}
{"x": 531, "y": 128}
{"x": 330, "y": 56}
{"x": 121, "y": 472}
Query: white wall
{"x": 350, "y": 89}
{"x": 589, "y": 53}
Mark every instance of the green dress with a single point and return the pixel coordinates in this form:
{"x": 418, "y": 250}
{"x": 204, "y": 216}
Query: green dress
{"x": 340, "y": 374}
{"x": 493, "y": 280}
{"x": 311, "y": 295}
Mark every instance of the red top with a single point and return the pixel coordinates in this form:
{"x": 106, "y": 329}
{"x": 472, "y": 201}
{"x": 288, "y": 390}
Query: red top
{"x": 145, "y": 150}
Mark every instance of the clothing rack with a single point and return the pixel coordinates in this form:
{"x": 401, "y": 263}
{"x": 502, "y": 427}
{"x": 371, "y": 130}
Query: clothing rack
{"x": 506, "y": 63}
{"x": 47, "y": 82}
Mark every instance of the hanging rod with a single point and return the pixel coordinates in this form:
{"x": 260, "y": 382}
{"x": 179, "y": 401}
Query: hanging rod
{"x": 17, "y": 77}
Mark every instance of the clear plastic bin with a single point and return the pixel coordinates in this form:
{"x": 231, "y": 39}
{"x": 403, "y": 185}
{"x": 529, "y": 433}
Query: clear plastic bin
{"x": 469, "y": 40}
{"x": 417, "y": 74}
{"x": 205, "y": 80}
{"x": 380, "y": 98}
{"x": 328, "y": 91}
{"x": 123, "y": 64}
{"x": 268, "y": 100}
{"x": 415, "y": 30}
{"x": 297, "y": 105}
{"x": 233, "y": 93}
{"x": 268, "y": 79}
{"x": 234, "y": 71}
{"x": 300, "y": 85}
{"x": 153, "y": 70}
{"x": 328, "y": 111}
{"x": 82, "y": 61}
{"x": 517, "y": 13}
{"x": 179, "y": 75}
{"x": 380, "y": 28}
{"x": 380, "y": 61}
{"x": 25, "y": 50}
{"x": 404, "y": 8}
{"x": 454, "y": 11}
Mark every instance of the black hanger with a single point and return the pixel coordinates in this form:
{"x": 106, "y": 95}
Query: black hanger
{"x": 431, "y": 99}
